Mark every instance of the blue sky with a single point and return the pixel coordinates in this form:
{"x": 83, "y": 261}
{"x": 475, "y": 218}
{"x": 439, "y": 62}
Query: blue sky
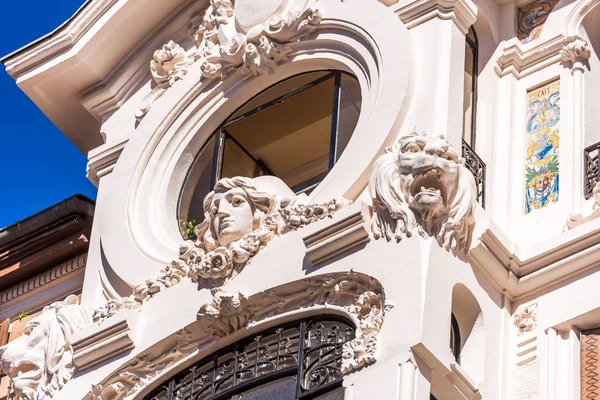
{"x": 38, "y": 165}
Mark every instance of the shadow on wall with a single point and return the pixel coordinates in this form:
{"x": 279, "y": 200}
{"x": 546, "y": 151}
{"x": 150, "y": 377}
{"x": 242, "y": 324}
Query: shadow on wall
{"x": 468, "y": 314}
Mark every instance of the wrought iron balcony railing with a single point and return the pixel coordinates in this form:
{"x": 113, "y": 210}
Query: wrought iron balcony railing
{"x": 590, "y": 155}
{"x": 477, "y": 168}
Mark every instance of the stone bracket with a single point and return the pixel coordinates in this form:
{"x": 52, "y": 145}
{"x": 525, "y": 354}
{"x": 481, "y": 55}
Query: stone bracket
{"x": 97, "y": 343}
{"x": 340, "y": 236}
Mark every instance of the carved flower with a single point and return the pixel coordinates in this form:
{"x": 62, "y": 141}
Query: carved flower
{"x": 169, "y": 63}
{"x": 140, "y": 292}
{"x": 359, "y": 352}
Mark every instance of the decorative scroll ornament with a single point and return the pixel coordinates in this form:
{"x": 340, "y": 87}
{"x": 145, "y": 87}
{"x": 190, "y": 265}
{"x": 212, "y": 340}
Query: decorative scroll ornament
{"x": 575, "y": 52}
{"x": 422, "y": 183}
{"x": 229, "y": 313}
{"x": 525, "y": 318}
{"x": 354, "y": 294}
{"x": 40, "y": 362}
{"x": 222, "y": 44}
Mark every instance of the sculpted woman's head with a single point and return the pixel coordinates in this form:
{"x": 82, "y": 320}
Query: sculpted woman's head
{"x": 233, "y": 209}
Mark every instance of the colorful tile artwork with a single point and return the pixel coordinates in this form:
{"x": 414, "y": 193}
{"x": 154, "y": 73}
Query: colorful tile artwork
{"x": 531, "y": 19}
{"x": 541, "y": 145}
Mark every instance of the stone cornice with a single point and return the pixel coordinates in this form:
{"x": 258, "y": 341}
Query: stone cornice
{"x": 62, "y": 39}
{"x": 43, "y": 279}
{"x": 102, "y": 161}
{"x": 521, "y": 60}
{"x": 575, "y": 53}
{"x": 462, "y": 12}
{"x": 522, "y": 272}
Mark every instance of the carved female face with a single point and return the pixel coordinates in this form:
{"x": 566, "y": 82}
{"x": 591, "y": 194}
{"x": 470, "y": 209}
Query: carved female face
{"x": 231, "y": 215}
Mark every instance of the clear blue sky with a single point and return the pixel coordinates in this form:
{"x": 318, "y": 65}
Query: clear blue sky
{"x": 38, "y": 165}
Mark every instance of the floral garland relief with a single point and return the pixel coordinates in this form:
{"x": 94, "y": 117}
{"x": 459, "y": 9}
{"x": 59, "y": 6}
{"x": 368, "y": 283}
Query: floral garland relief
{"x": 221, "y": 46}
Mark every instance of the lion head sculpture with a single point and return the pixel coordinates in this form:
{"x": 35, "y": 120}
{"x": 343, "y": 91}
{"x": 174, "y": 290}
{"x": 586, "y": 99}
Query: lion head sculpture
{"x": 40, "y": 362}
{"x": 421, "y": 183}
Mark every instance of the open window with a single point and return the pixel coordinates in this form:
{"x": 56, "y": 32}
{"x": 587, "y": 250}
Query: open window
{"x": 296, "y": 130}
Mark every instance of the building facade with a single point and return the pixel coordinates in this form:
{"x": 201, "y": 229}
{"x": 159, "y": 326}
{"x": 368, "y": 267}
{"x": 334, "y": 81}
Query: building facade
{"x": 325, "y": 199}
{"x": 42, "y": 262}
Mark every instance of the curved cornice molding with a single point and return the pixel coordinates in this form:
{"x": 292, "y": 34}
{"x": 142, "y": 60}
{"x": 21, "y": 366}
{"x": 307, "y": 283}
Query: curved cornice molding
{"x": 576, "y": 16}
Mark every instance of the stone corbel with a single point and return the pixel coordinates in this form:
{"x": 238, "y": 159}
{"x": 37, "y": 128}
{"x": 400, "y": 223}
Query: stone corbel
{"x": 575, "y": 53}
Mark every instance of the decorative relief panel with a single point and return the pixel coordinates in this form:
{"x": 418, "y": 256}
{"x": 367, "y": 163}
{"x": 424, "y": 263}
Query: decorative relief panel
{"x": 223, "y": 42}
{"x": 242, "y": 216}
{"x": 531, "y": 19}
{"x": 353, "y": 294}
{"x": 422, "y": 184}
{"x": 541, "y": 145}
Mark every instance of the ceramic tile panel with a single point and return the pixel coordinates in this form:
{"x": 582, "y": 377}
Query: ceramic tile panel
{"x": 531, "y": 19}
{"x": 541, "y": 146}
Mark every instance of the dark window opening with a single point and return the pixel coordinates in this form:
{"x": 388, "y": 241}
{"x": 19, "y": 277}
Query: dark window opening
{"x": 296, "y": 130}
{"x": 470, "y": 88}
{"x": 301, "y": 360}
{"x": 455, "y": 341}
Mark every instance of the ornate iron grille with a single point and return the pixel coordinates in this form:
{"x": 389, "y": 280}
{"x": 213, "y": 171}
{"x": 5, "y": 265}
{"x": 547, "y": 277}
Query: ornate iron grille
{"x": 477, "y": 168}
{"x": 590, "y": 154}
{"x": 297, "y": 361}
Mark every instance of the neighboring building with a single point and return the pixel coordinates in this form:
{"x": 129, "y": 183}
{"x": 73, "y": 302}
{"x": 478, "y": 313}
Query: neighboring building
{"x": 42, "y": 260}
{"x": 381, "y": 261}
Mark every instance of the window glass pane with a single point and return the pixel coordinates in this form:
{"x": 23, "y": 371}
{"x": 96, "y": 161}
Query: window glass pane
{"x": 349, "y": 112}
{"x": 284, "y": 389}
{"x": 279, "y": 90}
{"x": 336, "y": 394}
{"x": 197, "y": 186}
{"x": 236, "y": 162}
{"x": 468, "y": 94}
{"x": 292, "y": 138}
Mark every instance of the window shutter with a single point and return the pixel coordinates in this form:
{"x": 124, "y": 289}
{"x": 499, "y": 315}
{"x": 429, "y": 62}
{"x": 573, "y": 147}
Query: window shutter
{"x": 590, "y": 364}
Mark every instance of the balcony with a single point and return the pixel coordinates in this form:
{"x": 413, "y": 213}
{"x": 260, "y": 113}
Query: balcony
{"x": 477, "y": 168}
{"x": 590, "y": 178}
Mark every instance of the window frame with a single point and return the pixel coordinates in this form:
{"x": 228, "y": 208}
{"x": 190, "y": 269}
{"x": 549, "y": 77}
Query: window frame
{"x": 221, "y": 134}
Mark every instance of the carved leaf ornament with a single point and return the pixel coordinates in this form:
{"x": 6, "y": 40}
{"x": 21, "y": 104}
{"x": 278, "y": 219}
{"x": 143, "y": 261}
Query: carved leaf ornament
{"x": 221, "y": 46}
{"x": 356, "y": 295}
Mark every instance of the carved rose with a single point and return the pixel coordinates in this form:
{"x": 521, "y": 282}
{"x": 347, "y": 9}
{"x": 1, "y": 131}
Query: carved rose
{"x": 525, "y": 318}
{"x": 169, "y": 63}
{"x": 359, "y": 352}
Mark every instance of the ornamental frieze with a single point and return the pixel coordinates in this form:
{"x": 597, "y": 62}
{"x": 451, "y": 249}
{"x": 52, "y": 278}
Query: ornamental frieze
{"x": 223, "y": 43}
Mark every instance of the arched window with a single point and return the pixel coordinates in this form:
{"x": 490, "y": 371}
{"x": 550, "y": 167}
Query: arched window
{"x": 300, "y": 360}
{"x": 296, "y": 130}
{"x": 470, "y": 88}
